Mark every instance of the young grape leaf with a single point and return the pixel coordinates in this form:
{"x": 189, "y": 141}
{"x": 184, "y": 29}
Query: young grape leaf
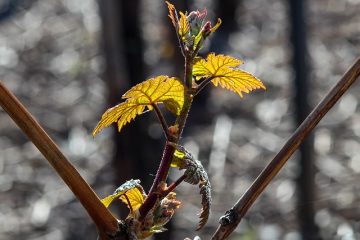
{"x": 217, "y": 25}
{"x": 184, "y": 26}
{"x": 133, "y": 198}
{"x": 195, "y": 174}
{"x": 224, "y": 72}
{"x": 131, "y": 193}
{"x": 161, "y": 89}
{"x": 172, "y": 14}
{"x": 191, "y": 28}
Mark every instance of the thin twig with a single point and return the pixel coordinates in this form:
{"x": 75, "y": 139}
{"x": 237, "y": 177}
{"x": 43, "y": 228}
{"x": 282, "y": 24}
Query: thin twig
{"x": 203, "y": 84}
{"x": 271, "y": 170}
{"x": 174, "y": 185}
{"x": 129, "y": 203}
{"x": 161, "y": 120}
{"x": 161, "y": 174}
{"x": 106, "y": 223}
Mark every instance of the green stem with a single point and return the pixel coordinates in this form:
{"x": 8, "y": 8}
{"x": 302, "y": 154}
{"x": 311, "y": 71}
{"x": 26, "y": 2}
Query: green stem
{"x": 181, "y": 120}
{"x": 188, "y": 71}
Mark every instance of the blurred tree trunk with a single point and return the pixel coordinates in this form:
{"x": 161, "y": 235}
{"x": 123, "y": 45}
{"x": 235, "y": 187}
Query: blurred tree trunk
{"x": 305, "y": 181}
{"x": 136, "y": 153}
{"x": 226, "y": 11}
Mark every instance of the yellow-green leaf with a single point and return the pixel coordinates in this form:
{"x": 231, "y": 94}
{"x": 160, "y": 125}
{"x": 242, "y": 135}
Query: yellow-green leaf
{"x": 172, "y": 14}
{"x": 217, "y": 25}
{"x": 178, "y": 159}
{"x": 184, "y": 26}
{"x": 161, "y": 89}
{"x": 134, "y": 197}
{"x": 131, "y": 192}
{"x": 197, "y": 40}
{"x": 108, "y": 200}
{"x": 224, "y": 72}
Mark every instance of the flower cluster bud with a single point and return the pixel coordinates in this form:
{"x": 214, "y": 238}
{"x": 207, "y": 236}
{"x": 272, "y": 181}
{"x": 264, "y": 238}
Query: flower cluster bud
{"x": 192, "y": 29}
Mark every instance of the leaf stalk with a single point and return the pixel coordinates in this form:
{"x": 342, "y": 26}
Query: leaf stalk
{"x": 162, "y": 120}
{"x": 203, "y": 84}
{"x": 174, "y": 185}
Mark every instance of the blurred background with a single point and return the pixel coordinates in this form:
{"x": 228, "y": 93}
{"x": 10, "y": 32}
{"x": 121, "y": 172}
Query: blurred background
{"x": 68, "y": 61}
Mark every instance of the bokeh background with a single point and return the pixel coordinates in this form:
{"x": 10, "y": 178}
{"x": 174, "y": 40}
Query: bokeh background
{"x": 68, "y": 61}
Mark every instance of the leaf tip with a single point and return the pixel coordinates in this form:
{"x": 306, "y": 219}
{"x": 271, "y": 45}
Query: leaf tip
{"x": 93, "y": 134}
{"x": 96, "y": 130}
{"x": 263, "y": 86}
{"x": 172, "y": 13}
{"x": 217, "y": 25}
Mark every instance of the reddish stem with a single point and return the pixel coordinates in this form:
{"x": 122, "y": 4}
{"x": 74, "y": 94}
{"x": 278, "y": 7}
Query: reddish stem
{"x": 161, "y": 175}
{"x": 162, "y": 120}
{"x": 169, "y": 149}
{"x": 129, "y": 204}
{"x": 174, "y": 185}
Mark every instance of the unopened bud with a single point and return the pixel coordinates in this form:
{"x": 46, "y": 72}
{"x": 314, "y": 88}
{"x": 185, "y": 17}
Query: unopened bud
{"x": 196, "y": 21}
{"x": 192, "y": 15}
{"x": 206, "y": 30}
{"x": 174, "y": 130}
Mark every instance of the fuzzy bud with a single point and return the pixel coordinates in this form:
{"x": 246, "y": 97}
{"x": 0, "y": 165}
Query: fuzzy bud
{"x": 206, "y": 30}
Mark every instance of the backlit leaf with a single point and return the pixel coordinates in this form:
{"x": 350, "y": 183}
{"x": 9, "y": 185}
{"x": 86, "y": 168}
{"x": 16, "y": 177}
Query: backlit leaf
{"x": 217, "y": 25}
{"x": 197, "y": 39}
{"x": 161, "y": 89}
{"x": 172, "y": 14}
{"x": 134, "y": 197}
{"x": 108, "y": 200}
{"x": 224, "y": 72}
{"x": 178, "y": 159}
{"x": 184, "y": 26}
{"x": 131, "y": 192}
